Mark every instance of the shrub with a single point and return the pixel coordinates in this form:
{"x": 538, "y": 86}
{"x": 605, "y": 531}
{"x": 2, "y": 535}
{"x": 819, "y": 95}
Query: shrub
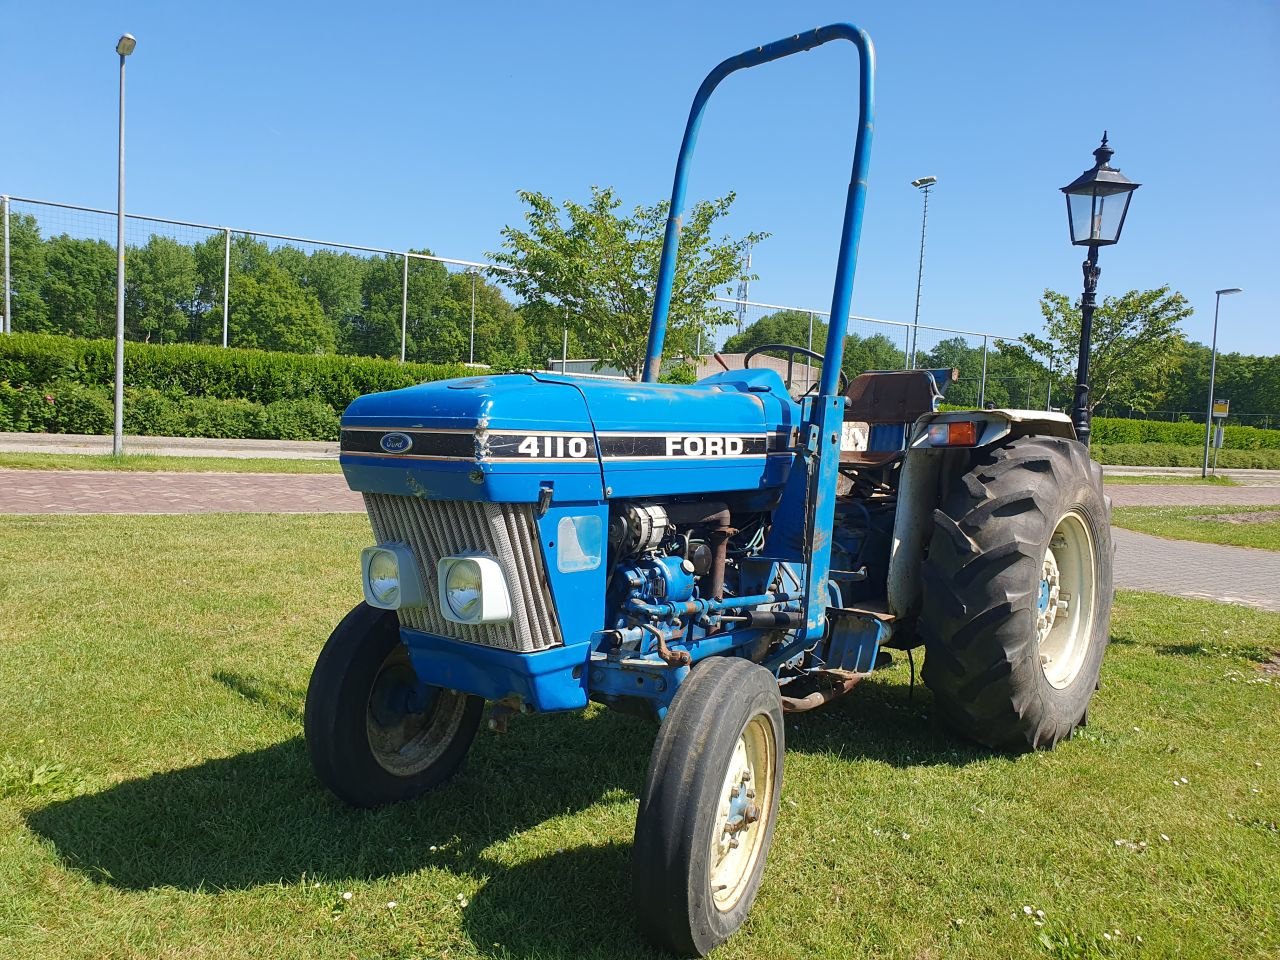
{"x": 1184, "y": 433}
{"x": 1172, "y": 455}
{"x": 75, "y": 408}
{"x": 299, "y": 420}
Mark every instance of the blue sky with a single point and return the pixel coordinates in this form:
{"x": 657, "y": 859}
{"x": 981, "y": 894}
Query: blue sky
{"x": 415, "y": 124}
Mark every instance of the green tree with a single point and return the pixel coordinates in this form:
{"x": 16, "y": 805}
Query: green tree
{"x": 876, "y": 352}
{"x": 589, "y": 267}
{"x": 26, "y": 274}
{"x": 160, "y": 291}
{"x": 269, "y": 311}
{"x": 79, "y": 287}
{"x": 1136, "y": 343}
{"x": 500, "y": 336}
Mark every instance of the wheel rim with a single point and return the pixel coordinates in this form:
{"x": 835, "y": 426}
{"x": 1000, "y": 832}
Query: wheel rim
{"x": 408, "y": 725}
{"x": 1066, "y": 600}
{"x": 745, "y": 802}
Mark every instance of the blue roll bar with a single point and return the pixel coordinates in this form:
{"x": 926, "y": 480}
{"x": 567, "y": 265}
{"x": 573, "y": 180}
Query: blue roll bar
{"x": 854, "y": 202}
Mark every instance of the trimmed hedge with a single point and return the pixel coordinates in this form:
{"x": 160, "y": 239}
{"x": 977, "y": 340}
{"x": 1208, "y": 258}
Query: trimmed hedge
{"x": 1172, "y": 455}
{"x": 1184, "y": 433}
{"x": 59, "y": 384}
{"x": 201, "y": 371}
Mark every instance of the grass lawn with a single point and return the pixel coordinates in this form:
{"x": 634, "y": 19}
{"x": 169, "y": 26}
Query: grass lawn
{"x": 1218, "y": 480}
{"x": 1206, "y": 524}
{"x": 148, "y": 462}
{"x": 156, "y": 800}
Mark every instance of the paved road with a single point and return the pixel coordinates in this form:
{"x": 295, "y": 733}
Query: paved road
{"x": 169, "y": 446}
{"x": 1181, "y": 568}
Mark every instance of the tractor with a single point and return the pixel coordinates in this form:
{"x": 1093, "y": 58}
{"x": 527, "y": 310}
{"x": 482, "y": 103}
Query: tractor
{"x": 714, "y": 556}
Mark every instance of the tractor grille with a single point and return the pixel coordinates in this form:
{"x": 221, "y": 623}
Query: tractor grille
{"x": 505, "y": 531}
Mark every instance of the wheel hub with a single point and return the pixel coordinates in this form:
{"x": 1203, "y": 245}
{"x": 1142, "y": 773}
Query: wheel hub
{"x": 1065, "y": 600}
{"x": 738, "y": 834}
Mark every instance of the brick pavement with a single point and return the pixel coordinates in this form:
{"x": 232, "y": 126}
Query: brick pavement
{"x": 1205, "y": 571}
{"x": 101, "y": 491}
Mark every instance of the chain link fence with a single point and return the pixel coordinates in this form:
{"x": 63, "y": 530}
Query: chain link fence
{"x": 203, "y": 283}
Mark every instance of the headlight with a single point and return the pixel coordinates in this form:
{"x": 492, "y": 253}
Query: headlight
{"x": 473, "y": 590}
{"x": 391, "y": 577}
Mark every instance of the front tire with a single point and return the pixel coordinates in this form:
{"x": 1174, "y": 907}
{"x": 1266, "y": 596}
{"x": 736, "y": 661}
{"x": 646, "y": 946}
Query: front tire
{"x": 1017, "y": 594}
{"x": 374, "y": 733}
{"x": 709, "y": 806}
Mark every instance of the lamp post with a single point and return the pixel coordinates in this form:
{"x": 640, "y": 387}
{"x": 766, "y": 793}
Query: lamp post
{"x": 1097, "y": 202}
{"x": 1213, "y": 369}
{"x": 923, "y": 184}
{"x": 124, "y": 47}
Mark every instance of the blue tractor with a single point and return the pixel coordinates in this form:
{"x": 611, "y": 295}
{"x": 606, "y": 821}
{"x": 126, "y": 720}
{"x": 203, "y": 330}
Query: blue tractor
{"x": 712, "y": 555}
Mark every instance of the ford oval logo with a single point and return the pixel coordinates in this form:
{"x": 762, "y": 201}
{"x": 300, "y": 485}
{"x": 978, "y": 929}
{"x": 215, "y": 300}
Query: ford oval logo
{"x": 396, "y": 442}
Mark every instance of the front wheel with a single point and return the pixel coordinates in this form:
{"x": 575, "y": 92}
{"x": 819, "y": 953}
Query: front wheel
{"x": 375, "y": 734}
{"x": 1017, "y": 593}
{"x": 709, "y": 806}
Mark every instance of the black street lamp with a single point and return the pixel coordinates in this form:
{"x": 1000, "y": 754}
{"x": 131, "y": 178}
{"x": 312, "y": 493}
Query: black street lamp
{"x": 1097, "y": 202}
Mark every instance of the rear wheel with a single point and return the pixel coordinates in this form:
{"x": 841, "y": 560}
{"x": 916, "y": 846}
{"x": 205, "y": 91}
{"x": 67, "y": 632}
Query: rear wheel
{"x": 709, "y": 806}
{"x": 1017, "y": 593}
{"x": 375, "y": 734}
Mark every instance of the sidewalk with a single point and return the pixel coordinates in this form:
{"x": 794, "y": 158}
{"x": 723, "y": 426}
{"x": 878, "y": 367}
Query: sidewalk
{"x": 169, "y": 446}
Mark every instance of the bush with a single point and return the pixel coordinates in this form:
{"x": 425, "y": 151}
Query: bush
{"x": 1184, "y": 433}
{"x": 202, "y": 371}
{"x": 300, "y": 420}
{"x": 190, "y": 391}
{"x": 1172, "y": 455}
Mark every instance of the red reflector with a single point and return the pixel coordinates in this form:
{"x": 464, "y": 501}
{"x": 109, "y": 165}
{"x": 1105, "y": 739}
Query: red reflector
{"x": 963, "y": 434}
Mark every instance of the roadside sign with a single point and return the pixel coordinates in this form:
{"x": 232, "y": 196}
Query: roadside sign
{"x": 1220, "y": 407}
{"x": 1217, "y": 436}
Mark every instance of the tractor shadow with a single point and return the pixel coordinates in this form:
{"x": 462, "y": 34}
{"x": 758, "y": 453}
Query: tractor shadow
{"x": 885, "y": 722}
{"x": 261, "y": 817}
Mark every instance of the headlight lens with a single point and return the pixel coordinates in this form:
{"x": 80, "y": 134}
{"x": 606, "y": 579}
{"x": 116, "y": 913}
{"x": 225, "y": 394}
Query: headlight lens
{"x": 384, "y": 578}
{"x": 473, "y": 589}
{"x": 463, "y": 589}
{"x": 391, "y": 577}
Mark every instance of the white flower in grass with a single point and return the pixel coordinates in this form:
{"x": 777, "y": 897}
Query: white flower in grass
{"x": 1164, "y": 837}
{"x": 346, "y": 895}
{"x": 1028, "y": 910}
{"x": 392, "y": 904}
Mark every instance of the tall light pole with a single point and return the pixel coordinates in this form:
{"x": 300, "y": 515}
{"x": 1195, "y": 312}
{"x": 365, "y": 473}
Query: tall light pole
{"x": 923, "y": 184}
{"x": 1097, "y": 202}
{"x": 124, "y": 47}
{"x": 1213, "y": 369}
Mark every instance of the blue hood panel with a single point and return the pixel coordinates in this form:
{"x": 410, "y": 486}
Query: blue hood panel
{"x": 505, "y": 438}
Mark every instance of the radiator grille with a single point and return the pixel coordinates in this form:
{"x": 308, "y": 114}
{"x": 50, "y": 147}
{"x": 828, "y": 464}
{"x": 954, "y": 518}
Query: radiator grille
{"x": 506, "y": 531}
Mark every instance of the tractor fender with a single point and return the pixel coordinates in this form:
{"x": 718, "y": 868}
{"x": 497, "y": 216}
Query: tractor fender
{"x": 928, "y": 470}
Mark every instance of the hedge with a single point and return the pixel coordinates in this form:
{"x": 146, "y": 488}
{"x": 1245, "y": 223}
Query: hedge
{"x": 262, "y": 377}
{"x": 1184, "y": 433}
{"x": 1172, "y": 455}
{"x": 58, "y": 384}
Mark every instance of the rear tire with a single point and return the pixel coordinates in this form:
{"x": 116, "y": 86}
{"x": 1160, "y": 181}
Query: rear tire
{"x": 709, "y": 806}
{"x": 1017, "y": 593}
{"x": 376, "y": 735}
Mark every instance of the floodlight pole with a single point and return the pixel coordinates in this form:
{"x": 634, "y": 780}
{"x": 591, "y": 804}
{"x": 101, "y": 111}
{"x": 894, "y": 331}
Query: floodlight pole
{"x": 124, "y": 46}
{"x": 923, "y": 184}
{"x": 1213, "y": 369}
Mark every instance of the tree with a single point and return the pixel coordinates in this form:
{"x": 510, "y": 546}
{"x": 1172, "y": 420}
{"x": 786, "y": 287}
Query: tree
{"x": 26, "y": 275}
{"x": 861, "y": 354}
{"x": 79, "y": 287}
{"x": 600, "y": 268}
{"x": 1136, "y": 343}
{"x": 160, "y": 291}
{"x": 269, "y": 311}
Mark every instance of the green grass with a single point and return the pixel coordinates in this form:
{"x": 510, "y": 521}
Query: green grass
{"x": 147, "y": 462}
{"x": 156, "y": 800}
{"x": 1113, "y": 480}
{"x": 1186, "y": 523}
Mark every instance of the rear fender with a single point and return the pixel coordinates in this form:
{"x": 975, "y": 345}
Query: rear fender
{"x": 928, "y": 471}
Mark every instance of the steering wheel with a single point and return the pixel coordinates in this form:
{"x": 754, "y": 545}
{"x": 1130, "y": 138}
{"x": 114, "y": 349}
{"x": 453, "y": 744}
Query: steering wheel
{"x": 792, "y": 352}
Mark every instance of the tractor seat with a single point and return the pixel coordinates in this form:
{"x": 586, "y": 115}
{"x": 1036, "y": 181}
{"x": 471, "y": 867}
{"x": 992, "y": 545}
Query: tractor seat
{"x": 887, "y": 403}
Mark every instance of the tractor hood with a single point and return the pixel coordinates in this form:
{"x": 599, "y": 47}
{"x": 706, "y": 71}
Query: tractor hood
{"x": 506, "y": 438}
